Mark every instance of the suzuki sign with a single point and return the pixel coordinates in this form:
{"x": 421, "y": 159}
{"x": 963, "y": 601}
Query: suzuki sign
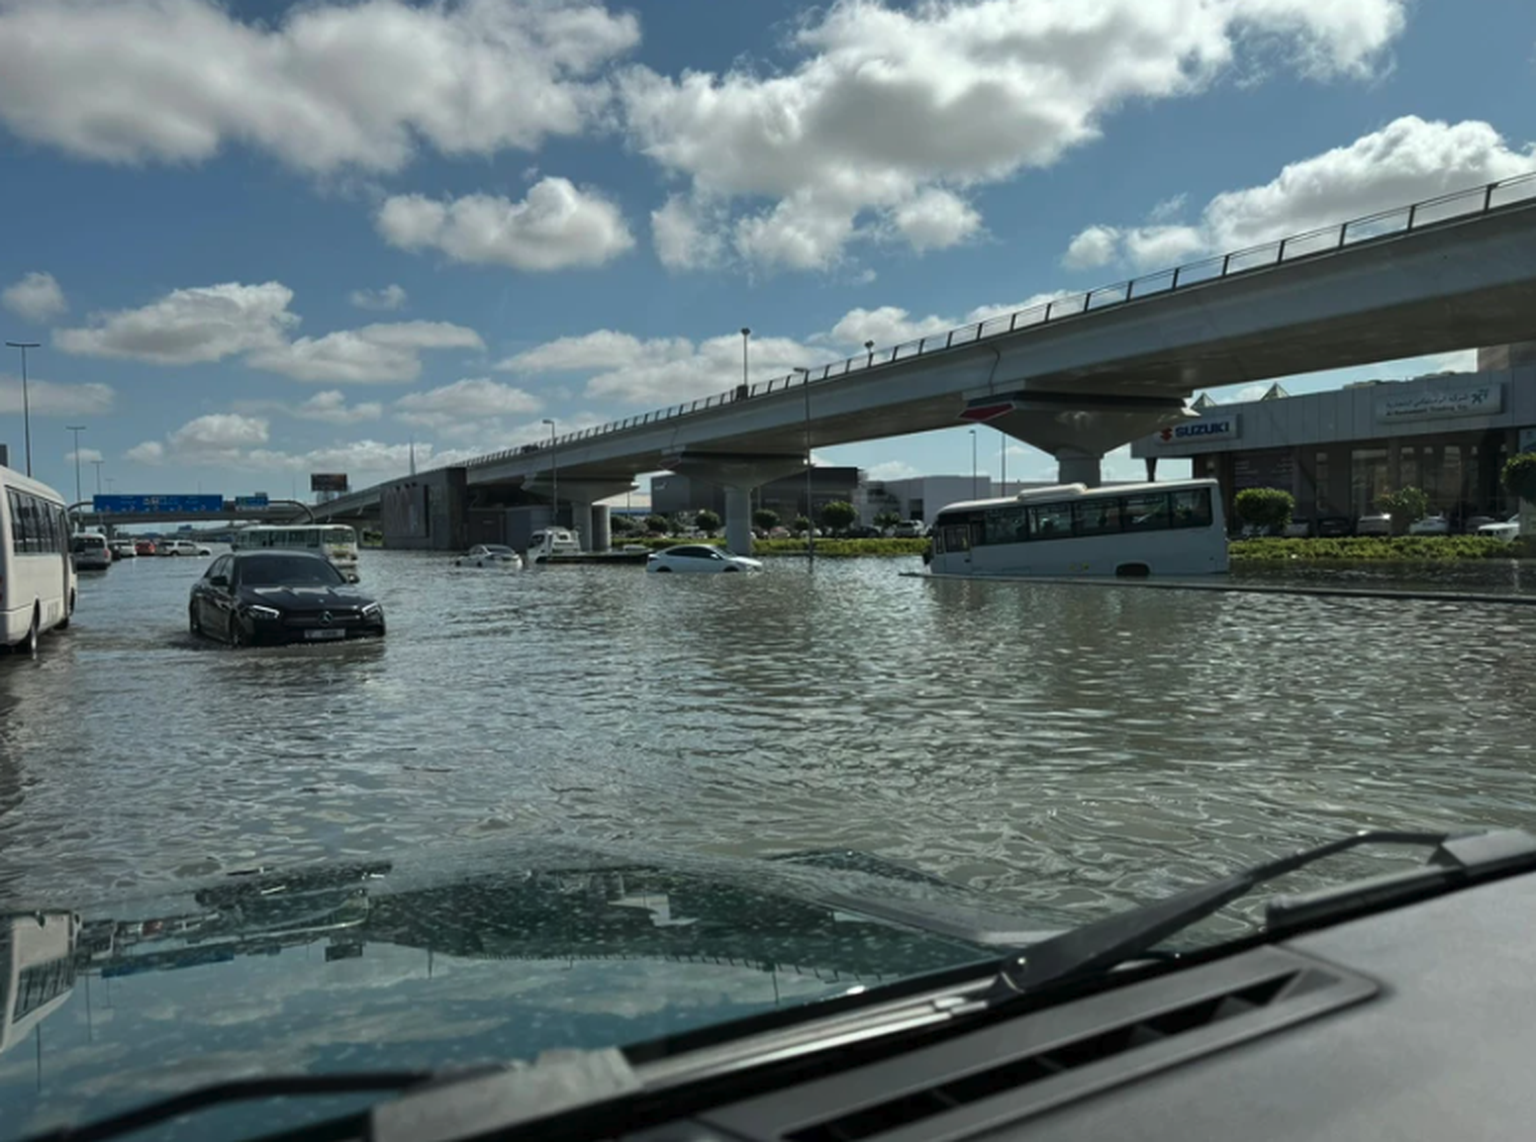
{"x": 1213, "y": 429}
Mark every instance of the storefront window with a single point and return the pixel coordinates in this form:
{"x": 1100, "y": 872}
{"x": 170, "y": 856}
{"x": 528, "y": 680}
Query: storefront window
{"x": 1452, "y": 480}
{"x": 1367, "y": 478}
{"x": 1320, "y": 478}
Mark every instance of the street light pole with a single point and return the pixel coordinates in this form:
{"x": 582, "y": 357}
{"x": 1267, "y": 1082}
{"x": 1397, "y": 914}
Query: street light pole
{"x": 810, "y": 521}
{"x": 554, "y": 473}
{"x": 77, "y": 429}
{"x": 98, "y": 464}
{"x": 746, "y": 337}
{"x": 26, "y": 402}
{"x": 973, "y": 465}
{"x": 1002, "y": 452}
{"x": 869, "y": 347}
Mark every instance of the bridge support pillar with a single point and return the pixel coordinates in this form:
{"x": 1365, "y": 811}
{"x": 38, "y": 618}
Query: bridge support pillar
{"x": 591, "y": 519}
{"x": 1076, "y": 428}
{"x": 738, "y": 475}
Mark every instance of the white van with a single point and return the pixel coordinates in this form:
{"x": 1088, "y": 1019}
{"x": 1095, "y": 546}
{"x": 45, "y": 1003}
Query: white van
{"x": 90, "y": 552}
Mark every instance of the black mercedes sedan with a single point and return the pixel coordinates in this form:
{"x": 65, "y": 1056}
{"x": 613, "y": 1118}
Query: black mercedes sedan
{"x": 252, "y": 597}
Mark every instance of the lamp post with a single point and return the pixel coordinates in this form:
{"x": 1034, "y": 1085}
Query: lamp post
{"x": 98, "y": 464}
{"x": 26, "y": 403}
{"x": 973, "y": 464}
{"x": 1002, "y": 454}
{"x": 810, "y": 521}
{"x": 746, "y": 338}
{"x": 869, "y": 347}
{"x": 554, "y": 473}
{"x": 77, "y": 429}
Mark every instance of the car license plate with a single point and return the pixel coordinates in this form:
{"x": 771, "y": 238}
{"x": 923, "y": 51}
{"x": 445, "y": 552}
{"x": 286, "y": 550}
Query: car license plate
{"x": 326, "y": 632}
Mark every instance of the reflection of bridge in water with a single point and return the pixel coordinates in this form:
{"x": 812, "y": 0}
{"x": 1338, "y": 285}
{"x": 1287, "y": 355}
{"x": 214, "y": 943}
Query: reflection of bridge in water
{"x": 616, "y": 915}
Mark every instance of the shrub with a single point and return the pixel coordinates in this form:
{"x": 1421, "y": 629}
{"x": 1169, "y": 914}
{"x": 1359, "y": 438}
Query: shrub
{"x": 802, "y": 525}
{"x": 765, "y": 519}
{"x": 1269, "y": 508}
{"x": 1404, "y": 506}
{"x": 658, "y": 524}
{"x": 838, "y": 515}
{"x": 706, "y": 521}
{"x": 887, "y": 519}
{"x": 1520, "y": 475}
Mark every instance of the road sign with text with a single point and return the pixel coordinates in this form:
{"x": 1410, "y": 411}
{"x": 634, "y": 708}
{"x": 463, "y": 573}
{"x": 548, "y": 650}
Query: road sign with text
{"x": 153, "y": 505}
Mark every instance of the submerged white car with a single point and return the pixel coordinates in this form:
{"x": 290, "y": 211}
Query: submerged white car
{"x": 699, "y": 557}
{"x": 490, "y": 555}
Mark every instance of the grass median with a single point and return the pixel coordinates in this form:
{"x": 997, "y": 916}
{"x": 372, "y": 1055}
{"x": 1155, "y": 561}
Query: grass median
{"x": 1374, "y": 549}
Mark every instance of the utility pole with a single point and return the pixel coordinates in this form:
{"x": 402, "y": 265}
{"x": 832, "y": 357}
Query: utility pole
{"x": 26, "y": 402}
{"x": 77, "y": 429}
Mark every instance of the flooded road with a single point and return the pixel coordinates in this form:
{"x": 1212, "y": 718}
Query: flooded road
{"x": 1082, "y": 746}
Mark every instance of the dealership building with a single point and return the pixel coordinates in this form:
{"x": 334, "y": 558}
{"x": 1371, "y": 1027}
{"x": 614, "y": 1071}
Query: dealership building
{"x": 1336, "y": 452}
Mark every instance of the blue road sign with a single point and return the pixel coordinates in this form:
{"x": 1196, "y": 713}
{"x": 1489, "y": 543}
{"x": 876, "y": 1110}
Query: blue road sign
{"x": 152, "y": 505}
{"x": 259, "y": 500}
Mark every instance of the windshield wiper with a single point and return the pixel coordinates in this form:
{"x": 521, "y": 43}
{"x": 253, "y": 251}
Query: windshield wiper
{"x": 1102, "y": 944}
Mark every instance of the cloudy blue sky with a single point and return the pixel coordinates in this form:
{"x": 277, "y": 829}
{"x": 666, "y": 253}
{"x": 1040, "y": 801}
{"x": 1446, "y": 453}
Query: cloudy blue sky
{"x": 259, "y": 240}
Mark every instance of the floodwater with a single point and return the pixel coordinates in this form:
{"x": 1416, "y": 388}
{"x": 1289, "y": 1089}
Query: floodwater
{"x": 1081, "y": 746}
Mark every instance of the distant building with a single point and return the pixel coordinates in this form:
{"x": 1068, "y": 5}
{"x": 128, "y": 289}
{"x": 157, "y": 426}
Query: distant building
{"x": 673, "y": 493}
{"x": 1338, "y": 452}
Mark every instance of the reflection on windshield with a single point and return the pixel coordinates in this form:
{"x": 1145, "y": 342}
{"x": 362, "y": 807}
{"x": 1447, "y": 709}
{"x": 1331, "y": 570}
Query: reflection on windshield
{"x": 286, "y": 571}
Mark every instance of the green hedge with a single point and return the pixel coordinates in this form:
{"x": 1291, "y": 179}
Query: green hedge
{"x": 1372, "y": 548}
{"x": 839, "y": 548}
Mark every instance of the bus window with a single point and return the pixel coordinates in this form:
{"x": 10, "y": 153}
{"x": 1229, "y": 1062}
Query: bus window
{"x": 1097, "y": 516}
{"x": 1146, "y": 512}
{"x": 1192, "y": 508}
{"x": 1005, "y": 525}
{"x": 1050, "y": 521}
{"x": 957, "y": 537}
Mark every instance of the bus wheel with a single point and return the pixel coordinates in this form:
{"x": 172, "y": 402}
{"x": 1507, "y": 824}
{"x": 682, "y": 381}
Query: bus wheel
{"x": 68, "y": 611}
{"x": 28, "y": 645}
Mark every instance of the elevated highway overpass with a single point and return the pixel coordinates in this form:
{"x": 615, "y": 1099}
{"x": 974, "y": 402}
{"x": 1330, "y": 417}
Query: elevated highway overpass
{"x": 1088, "y": 372}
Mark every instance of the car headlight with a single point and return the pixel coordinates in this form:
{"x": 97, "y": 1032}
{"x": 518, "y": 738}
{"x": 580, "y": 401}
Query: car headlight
{"x": 257, "y": 611}
{"x": 372, "y": 610}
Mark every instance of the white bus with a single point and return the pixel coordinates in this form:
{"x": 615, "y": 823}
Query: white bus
{"x": 1171, "y": 528}
{"x": 336, "y": 542}
{"x": 37, "y": 578}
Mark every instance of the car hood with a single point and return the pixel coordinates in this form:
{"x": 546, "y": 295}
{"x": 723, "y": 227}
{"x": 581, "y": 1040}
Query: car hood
{"x": 305, "y": 598}
{"x": 489, "y": 955}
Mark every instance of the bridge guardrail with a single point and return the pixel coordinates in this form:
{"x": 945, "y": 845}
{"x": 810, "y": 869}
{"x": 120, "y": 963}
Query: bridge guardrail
{"x": 1324, "y": 239}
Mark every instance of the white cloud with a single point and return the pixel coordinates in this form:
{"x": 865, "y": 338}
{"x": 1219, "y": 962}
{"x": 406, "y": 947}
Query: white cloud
{"x": 471, "y": 400}
{"x": 325, "y": 85}
{"x": 35, "y": 297}
{"x": 890, "y": 325}
{"x": 936, "y": 220}
{"x": 372, "y": 354}
{"x": 51, "y": 398}
{"x": 188, "y": 326}
{"x": 662, "y": 370}
{"x": 1408, "y": 160}
{"x": 556, "y": 226}
{"x": 331, "y": 407}
{"x": 149, "y": 452}
{"x": 389, "y": 298}
{"x": 87, "y": 456}
{"x": 687, "y": 236}
{"x": 218, "y": 433}
{"x": 891, "y": 470}
{"x": 891, "y": 106}
{"x": 1091, "y": 248}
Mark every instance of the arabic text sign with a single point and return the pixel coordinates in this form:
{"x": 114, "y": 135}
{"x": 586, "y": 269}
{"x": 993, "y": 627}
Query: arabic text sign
{"x": 1472, "y": 400}
{"x": 152, "y": 505}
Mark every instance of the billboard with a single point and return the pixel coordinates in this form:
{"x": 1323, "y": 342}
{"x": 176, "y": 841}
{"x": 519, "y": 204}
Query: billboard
{"x": 154, "y": 505}
{"x": 327, "y": 481}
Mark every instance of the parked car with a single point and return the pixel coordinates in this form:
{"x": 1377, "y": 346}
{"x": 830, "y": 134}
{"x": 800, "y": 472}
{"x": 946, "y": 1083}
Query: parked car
{"x": 144, "y": 547}
{"x": 179, "y": 547}
{"x": 90, "y": 552}
{"x": 1379, "y": 523}
{"x": 1298, "y": 529}
{"x": 490, "y": 555}
{"x": 122, "y": 548}
{"x": 1430, "y": 525}
{"x": 909, "y": 529}
{"x": 863, "y": 531}
{"x": 1508, "y": 529}
{"x": 275, "y": 596}
{"x": 1335, "y": 526}
{"x": 697, "y": 557}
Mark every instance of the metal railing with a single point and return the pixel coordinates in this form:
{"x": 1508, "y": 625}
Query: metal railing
{"x": 1326, "y": 239}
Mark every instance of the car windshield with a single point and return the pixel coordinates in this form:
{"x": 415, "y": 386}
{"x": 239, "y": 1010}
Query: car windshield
{"x": 285, "y": 571}
{"x": 1059, "y": 452}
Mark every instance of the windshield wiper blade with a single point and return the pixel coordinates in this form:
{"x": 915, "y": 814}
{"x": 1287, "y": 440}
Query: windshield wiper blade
{"x": 1102, "y": 944}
